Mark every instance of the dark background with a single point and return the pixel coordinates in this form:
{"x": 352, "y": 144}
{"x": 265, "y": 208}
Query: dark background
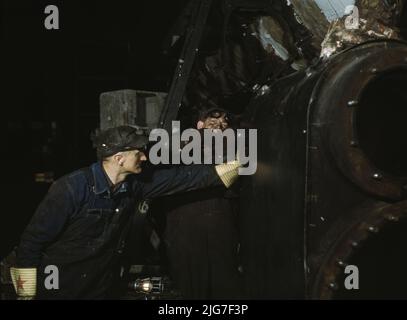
{"x": 51, "y": 82}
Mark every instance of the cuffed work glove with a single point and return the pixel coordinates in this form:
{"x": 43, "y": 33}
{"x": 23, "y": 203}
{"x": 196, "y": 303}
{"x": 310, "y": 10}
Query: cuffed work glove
{"x": 228, "y": 172}
{"x": 25, "y": 282}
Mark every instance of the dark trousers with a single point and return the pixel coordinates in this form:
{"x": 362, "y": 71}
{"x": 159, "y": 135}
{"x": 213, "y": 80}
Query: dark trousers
{"x": 202, "y": 251}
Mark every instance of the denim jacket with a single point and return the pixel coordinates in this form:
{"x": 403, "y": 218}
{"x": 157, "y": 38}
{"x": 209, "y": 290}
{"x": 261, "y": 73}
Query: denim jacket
{"x": 80, "y": 223}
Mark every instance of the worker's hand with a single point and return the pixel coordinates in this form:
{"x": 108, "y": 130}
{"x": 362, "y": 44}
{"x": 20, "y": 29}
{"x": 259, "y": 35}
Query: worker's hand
{"x": 228, "y": 172}
{"x": 25, "y": 282}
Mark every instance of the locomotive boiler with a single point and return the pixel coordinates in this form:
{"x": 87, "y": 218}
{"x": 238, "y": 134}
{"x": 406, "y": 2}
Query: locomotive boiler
{"x": 331, "y": 186}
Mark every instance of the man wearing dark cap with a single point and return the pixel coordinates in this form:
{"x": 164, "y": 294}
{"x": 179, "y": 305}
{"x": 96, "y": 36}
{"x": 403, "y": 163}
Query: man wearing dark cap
{"x": 79, "y": 228}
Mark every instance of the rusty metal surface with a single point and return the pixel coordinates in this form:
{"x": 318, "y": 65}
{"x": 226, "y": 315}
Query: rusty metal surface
{"x": 377, "y": 19}
{"x": 316, "y": 189}
{"x": 364, "y": 223}
{"x": 353, "y": 71}
{"x": 348, "y": 189}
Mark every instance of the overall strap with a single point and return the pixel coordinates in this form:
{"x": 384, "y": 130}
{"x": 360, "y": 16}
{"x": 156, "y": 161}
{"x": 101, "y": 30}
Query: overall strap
{"x": 87, "y": 171}
{"x": 89, "y": 176}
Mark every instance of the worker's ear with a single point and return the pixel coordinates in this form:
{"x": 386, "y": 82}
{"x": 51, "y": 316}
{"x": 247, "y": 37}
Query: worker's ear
{"x": 118, "y": 158}
{"x": 200, "y": 124}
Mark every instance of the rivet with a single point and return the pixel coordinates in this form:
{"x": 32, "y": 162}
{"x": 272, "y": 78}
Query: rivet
{"x": 354, "y": 143}
{"x": 341, "y": 263}
{"x": 377, "y": 176}
{"x": 352, "y": 103}
{"x": 333, "y": 286}
{"x": 373, "y": 229}
{"x": 392, "y": 218}
{"x": 354, "y": 244}
{"x": 304, "y": 131}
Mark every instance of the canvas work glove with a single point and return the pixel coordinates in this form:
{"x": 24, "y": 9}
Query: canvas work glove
{"x": 228, "y": 172}
{"x": 25, "y": 282}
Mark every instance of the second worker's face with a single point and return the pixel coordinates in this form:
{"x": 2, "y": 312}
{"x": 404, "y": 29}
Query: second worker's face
{"x": 218, "y": 120}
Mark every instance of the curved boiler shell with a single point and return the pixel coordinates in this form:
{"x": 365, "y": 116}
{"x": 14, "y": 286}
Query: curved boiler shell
{"x": 332, "y": 175}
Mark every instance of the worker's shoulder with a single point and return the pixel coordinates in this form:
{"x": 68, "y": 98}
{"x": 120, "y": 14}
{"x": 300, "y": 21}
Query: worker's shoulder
{"x": 78, "y": 179}
{"x": 76, "y": 183}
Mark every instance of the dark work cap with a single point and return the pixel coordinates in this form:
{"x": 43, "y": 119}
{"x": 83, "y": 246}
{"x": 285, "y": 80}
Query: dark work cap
{"x": 122, "y": 138}
{"x": 214, "y": 113}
